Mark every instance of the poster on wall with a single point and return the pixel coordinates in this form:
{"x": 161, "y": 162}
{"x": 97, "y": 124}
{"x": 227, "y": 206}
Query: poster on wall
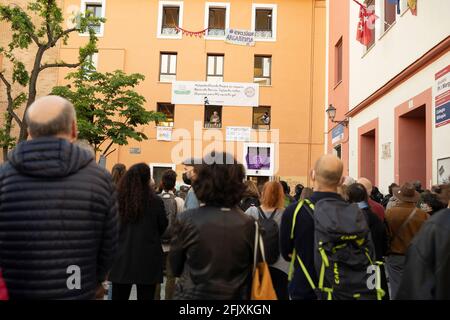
{"x": 337, "y": 134}
{"x": 442, "y": 99}
{"x": 220, "y": 94}
{"x": 443, "y": 168}
{"x": 164, "y": 133}
{"x": 238, "y": 134}
{"x": 240, "y": 37}
{"x": 259, "y": 159}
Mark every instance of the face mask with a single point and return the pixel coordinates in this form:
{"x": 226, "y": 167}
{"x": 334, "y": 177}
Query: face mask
{"x": 186, "y": 179}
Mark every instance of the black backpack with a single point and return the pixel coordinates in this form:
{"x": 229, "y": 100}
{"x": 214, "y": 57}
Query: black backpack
{"x": 344, "y": 252}
{"x": 170, "y": 206}
{"x": 270, "y": 236}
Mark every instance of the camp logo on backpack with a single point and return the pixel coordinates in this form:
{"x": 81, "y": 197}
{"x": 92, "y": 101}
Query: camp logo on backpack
{"x": 343, "y": 252}
{"x": 270, "y": 236}
{"x": 171, "y": 208}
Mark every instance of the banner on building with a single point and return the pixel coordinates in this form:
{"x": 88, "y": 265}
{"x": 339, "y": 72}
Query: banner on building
{"x": 442, "y": 99}
{"x": 164, "y": 133}
{"x": 221, "y": 93}
{"x": 240, "y": 37}
{"x": 238, "y": 134}
{"x": 337, "y": 134}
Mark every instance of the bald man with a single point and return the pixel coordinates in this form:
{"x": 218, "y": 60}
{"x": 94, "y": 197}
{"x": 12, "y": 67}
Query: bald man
{"x": 58, "y": 212}
{"x": 326, "y": 177}
{"x": 374, "y": 206}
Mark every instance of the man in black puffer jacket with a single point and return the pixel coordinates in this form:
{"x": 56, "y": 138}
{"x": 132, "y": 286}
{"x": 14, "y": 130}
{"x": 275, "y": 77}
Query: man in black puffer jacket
{"x": 58, "y": 212}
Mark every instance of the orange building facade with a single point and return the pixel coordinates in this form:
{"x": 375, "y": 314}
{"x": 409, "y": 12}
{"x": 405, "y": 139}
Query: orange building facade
{"x": 286, "y": 61}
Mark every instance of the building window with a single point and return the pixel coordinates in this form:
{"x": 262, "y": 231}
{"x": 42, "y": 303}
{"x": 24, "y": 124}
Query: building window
{"x": 390, "y": 14}
{"x": 261, "y": 118}
{"x": 170, "y": 17}
{"x": 217, "y": 19}
{"x": 169, "y": 111}
{"x": 215, "y": 68}
{"x": 213, "y": 117}
{"x": 263, "y": 70}
{"x": 372, "y": 41}
{"x": 91, "y": 64}
{"x": 264, "y": 21}
{"x": 94, "y": 8}
{"x": 157, "y": 170}
{"x": 168, "y": 67}
{"x": 338, "y": 55}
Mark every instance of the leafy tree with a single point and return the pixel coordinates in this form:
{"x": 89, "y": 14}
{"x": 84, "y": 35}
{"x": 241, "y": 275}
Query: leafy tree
{"x": 109, "y": 110}
{"x": 42, "y": 36}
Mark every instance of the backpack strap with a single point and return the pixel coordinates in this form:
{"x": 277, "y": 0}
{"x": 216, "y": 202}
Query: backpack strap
{"x": 261, "y": 213}
{"x": 295, "y": 256}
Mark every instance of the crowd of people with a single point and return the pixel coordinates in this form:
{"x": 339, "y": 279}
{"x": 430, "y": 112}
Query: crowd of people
{"x": 68, "y": 227}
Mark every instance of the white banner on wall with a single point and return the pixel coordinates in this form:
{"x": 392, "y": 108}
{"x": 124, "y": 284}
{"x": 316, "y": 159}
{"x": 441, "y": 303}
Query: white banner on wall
{"x": 238, "y": 134}
{"x": 240, "y": 37}
{"x": 164, "y": 133}
{"x": 221, "y": 93}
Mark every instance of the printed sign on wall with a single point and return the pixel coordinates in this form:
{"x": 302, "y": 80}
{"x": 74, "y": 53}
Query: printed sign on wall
{"x": 220, "y": 94}
{"x": 442, "y": 99}
{"x": 164, "y": 133}
{"x": 238, "y": 134}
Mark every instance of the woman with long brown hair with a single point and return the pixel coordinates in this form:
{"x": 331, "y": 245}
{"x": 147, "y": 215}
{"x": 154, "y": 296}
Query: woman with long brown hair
{"x": 143, "y": 220}
{"x": 272, "y": 209}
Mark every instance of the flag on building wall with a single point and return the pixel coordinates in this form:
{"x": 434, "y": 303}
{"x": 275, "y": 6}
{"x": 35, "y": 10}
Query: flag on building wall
{"x": 365, "y": 25}
{"x": 412, "y": 5}
{"x": 397, "y": 3}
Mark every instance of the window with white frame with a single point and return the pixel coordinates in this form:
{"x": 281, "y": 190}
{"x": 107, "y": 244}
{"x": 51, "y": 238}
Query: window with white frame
{"x": 262, "y": 70}
{"x": 264, "y": 21}
{"x": 157, "y": 170}
{"x": 217, "y": 19}
{"x": 168, "y": 67}
{"x": 91, "y": 64}
{"x": 170, "y": 17}
{"x": 215, "y": 68}
{"x": 95, "y": 8}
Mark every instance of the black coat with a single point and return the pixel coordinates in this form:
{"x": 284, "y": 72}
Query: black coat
{"x": 140, "y": 255}
{"x": 212, "y": 253}
{"x": 426, "y": 275}
{"x": 57, "y": 210}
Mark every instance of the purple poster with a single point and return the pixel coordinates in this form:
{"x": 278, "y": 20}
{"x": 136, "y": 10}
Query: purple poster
{"x": 258, "y": 158}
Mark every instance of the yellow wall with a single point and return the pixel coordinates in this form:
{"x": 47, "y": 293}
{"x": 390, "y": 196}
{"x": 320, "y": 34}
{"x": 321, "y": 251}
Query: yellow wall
{"x": 296, "y": 96}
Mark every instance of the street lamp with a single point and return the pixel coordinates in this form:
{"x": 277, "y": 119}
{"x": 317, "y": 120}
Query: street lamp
{"x": 331, "y": 112}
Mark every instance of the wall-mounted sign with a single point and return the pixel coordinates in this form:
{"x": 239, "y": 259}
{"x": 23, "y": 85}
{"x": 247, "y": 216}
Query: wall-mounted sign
{"x": 164, "y": 133}
{"x": 337, "y": 134}
{"x": 135, "y": 150}
{"x": 240, "y": 37}
{"x": 442, "y": 99}
{"x": 221, "y": 93}
{"x": 386, "y": 151}
{"x": 238, "y": 134}
{"x": 443, "y": 168}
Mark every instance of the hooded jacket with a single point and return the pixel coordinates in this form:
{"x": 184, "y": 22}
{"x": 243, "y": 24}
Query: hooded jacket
{"x": 58, "y": 221}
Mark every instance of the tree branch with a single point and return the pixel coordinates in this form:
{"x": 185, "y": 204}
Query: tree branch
{"x": 59, "y": 65}
{"x": 10, "y": 99}
{"x": 61, "y": 35}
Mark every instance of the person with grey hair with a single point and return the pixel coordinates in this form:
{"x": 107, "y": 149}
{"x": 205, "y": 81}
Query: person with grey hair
{"x": 61, "y": 206}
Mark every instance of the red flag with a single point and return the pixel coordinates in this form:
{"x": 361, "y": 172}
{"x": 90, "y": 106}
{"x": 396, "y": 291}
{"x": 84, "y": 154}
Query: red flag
{"x": 365, "y": 25}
